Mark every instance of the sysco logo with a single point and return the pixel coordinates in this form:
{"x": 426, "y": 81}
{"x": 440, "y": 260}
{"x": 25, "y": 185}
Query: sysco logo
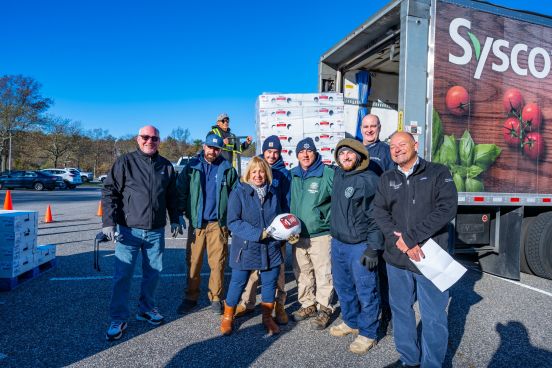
{"x": 509, "y": 56}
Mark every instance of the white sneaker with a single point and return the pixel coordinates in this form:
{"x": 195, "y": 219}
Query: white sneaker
{"x": 342, "y": 330}
{"x": 152, "y": 317}
{"x": 115, "y": 331}
{"x": 362, "y": 344}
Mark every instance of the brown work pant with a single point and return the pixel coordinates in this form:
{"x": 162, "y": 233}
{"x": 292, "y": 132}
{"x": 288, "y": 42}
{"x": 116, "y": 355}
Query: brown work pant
{"x": 215, "y": 239}
{"x": 249, "y": 295}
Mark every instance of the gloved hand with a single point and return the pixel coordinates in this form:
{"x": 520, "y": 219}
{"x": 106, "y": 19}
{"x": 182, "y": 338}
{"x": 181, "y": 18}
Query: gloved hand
{"x": 176, "y": 229}
{"x": 293, "y": 239}
{"x": 182, "y": 222}
{"x": 369, "y": 259}
{"x": 110, "y": 232}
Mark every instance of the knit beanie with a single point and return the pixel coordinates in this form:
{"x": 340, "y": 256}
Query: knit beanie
{"x": 306, "y": 144}
{"x": 272, "y": 142}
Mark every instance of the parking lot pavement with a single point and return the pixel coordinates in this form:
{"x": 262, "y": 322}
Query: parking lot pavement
{"x": 59, "y": 318}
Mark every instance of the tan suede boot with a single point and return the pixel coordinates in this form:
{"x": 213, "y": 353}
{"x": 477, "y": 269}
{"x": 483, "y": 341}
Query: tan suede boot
{"x": 271, "y": 326}
{"x": 227, "y": 319}
{"x": 280, "y": 314}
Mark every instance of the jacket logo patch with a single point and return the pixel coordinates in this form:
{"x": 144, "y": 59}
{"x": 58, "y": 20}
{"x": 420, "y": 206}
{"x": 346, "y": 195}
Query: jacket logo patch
{"x": 349, "y": 192}
{"x": 313, "y": 188}
{"x": 162, "y": 173}
{"x": 448, "y": 180}
{"x": 423, "y": 178}
{"x": 394, "y": 185}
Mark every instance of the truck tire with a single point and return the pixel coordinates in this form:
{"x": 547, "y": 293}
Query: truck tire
{"x": 538, "y": 248}
{"x": 525, "y": 225}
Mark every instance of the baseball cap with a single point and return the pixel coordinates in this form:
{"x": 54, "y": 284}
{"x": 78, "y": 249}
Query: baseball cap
{"x": 222, "y": 116}
{"x": 213, "y": 140}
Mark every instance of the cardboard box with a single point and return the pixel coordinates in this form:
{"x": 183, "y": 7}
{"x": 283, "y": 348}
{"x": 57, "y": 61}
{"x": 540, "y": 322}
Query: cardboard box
{"x": 18, "y": 222}
{"x": 283, "y": 127}
{"x": 272, "y": 115}
{"x": 17, "y": 267}
{"x": 323, "y": 112}
{"x": 332, "y": 124}
{"x": 45, "y": 253}
{"x": 322, "y": 139}
{"x": 279, "y": 100}
{"x": 322, "y": 99}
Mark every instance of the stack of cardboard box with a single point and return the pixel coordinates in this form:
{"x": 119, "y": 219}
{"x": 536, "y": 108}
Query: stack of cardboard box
{"x": 19, "y": 252}
{"x": 293, "y": 117}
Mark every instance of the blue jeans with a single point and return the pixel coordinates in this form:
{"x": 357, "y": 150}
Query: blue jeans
{"x": 356, "y": 287}
{"x": 269, "y": 279}
{"x": 404, "y": 288}
{"x": 132, "y": 241}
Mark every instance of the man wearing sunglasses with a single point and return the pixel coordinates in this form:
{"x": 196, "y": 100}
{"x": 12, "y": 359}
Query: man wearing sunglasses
{"x": 139, "y": 191}
{"x": 204, "y": 186}
{"x": 222, "y": 129}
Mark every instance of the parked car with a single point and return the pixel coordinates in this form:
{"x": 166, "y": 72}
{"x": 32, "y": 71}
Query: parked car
{"x": 71, "y": 177}
{"x": 179, "y": 165}
{"x": 102, "y": 178}
{"x": 86, "y": 176}
{"x": 36, "y": 180}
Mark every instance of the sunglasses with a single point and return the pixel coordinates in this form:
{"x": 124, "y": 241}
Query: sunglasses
{"x": 148, "y": 137}
{"x": 225, "y": 121}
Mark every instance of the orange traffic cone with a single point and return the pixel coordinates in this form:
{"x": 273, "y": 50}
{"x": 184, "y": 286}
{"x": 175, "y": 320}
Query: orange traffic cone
{"x": 48, "y": 215}
{"x": 8, "y": 202}
{"x": 100, "y": 210}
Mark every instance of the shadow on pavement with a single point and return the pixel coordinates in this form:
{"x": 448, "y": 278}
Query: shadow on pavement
{"x": 515, "y": 349}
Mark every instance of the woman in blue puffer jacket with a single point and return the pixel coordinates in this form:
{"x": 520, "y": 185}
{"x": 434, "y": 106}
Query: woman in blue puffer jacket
{"x": 252, "y": 206}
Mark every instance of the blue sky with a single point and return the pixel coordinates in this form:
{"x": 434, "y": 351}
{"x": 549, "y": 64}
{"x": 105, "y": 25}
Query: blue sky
{"x": 118, "y": 65}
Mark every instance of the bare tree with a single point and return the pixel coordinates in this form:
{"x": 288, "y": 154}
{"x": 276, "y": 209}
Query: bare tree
{"x": 21, "y": 107}
{"x": 61, "y": 136}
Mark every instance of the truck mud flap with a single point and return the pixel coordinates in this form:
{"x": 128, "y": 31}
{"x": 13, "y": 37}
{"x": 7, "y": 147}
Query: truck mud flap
{"x": 504, "y": 261}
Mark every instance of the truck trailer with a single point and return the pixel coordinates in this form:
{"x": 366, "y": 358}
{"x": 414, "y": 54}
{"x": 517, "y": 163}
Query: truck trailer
{"x": 471, "y": 81}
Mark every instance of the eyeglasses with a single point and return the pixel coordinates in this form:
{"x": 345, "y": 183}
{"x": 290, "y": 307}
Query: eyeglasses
{"x": 148, "y": 137}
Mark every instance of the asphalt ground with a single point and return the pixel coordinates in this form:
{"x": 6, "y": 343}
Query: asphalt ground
{"x": 60, "y": 317}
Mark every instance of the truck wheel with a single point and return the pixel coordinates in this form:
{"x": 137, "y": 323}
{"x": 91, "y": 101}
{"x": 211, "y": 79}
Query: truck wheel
{"x": 538, "y": 249}
{"x": 38, "y": 186}
{"x": 525, "y": 225}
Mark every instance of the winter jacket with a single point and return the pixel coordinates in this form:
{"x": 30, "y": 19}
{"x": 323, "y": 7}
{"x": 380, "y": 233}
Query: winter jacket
{"x": 380, "y": 155}
{"x": 420, "y": 207}
{"x": 311, "y": 192}
{"x": 139, "y": 191}
{"x": 352, "y": 218}
{"x": 232, "y": 146}
{"x": 247, "y": 218}
{"x": 190, "y": 190}
{"x": 281, "y": 180}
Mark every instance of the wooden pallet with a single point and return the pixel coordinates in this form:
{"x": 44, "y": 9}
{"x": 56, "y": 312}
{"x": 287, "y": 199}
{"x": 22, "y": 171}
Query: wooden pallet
{"x": 7, "y": 284}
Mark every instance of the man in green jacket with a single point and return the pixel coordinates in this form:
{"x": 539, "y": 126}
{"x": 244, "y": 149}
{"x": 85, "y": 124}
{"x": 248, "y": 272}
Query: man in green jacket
{"x": 311, "y": 189}
{"x": 203, "y": 188}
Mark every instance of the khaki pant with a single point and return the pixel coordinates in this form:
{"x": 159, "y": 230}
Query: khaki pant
{"x": 313, "y": 270}
{"x": 215, "y": 239}
{"x": 249, "y": 295}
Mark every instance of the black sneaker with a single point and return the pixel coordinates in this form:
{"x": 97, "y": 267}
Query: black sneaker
{"x": 399, "y": 364}
{"x": 115, "y": 331}
{"x": 186, "y": 306}
{"x": 216, "y": 306}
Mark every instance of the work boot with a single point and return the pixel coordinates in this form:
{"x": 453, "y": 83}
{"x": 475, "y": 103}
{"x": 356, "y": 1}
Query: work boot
{"x": 322, "y": 319}
{"x": 280, "y": 313}
{"x": 304, "y": 313}
{"x": 362, "y": 344}
{"x": 242, "y": 310}
{"x": 271, "y": 326}
{"x": 227, "y": 319}
{"x": 342, "y": 330}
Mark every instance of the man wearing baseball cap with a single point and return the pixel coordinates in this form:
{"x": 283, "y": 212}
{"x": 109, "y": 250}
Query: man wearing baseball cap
{"x": 311, "y": 190}
{"x": 222, "y": 129}
{"x": 203, "y": 187}
{"x": 281, "y": 178}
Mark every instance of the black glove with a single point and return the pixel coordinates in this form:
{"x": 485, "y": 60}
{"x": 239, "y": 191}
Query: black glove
{"x": 369, "y": 259}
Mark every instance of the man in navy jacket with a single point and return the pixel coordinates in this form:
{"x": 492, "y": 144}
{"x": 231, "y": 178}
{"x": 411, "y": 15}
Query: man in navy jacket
{"x": 415, "y": 202}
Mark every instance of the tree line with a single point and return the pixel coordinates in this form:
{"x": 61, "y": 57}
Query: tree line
{"x": 36, "y": 139}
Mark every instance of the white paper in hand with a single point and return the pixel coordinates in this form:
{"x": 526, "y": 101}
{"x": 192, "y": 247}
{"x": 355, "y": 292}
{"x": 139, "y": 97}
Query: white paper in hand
{"x": 438, "y": 266}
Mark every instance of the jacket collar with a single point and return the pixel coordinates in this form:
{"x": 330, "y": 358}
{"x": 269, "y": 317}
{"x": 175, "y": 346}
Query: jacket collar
{"x": 145, "y": 157}
{"x": 315, "y": 170}
{"x": 250, "y": 191}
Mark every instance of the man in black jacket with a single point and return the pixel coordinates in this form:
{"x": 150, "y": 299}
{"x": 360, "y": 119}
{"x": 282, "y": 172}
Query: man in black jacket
{"x": 355, "y": 241}
{"x": 415, "y": 202}
{"x": 138, "y": 193}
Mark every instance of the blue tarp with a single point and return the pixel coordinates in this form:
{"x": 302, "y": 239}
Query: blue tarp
{"x": 364, "y": 83}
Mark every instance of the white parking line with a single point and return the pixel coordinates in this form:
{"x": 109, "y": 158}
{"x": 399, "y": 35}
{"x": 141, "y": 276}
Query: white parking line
{"x": 515, "y": 283}
{"x": 163, "y": 275}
